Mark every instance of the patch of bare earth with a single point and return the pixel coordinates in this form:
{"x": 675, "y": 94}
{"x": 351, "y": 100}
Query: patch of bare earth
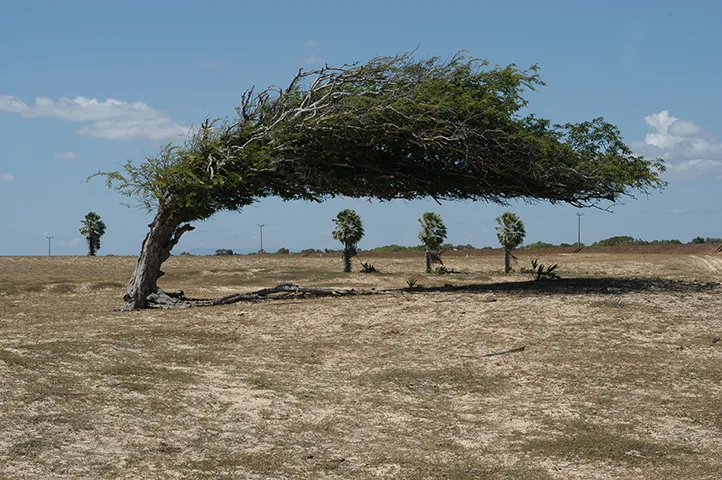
{"x": 620, "y": 376}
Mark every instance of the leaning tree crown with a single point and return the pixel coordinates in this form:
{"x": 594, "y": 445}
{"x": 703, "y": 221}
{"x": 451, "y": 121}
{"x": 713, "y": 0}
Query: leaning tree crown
{"x": 394, "y": 127}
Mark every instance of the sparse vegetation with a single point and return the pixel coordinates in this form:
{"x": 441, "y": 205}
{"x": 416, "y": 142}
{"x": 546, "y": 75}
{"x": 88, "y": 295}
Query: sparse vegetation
{"x": 542, "y": 272}
{"x": 412, "y": 282}
{"x": 367, "y": 267}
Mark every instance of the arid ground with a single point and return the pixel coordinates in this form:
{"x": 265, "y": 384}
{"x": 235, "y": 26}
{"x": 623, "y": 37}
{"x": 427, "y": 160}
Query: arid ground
{"x": 620, "y": 377}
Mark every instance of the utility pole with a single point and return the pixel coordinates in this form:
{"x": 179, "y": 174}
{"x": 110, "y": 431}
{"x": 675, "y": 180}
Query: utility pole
{"x": 49, "y": 238}
{"x": 261, "y": 226}
{"x": 579, "y": 229}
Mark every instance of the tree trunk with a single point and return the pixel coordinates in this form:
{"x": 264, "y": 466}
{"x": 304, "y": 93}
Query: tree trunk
{"x": 507, "y": 260}
{"x": 346, "y": 260}
{"x": 91, "y": 247}
{"x": 164, "y": 234}
{"x": 428, "y": 261}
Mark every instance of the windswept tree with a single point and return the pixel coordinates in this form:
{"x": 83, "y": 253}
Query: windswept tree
{"x": 510, "y": 232}
{"x": 432, "y": 235}
{"x": 395, "y": 127}
{"x": 93, "y": 228}
{"x": 349, "y": 231}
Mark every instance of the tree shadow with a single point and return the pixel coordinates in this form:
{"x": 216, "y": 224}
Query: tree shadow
{"x": 572, "y": 286}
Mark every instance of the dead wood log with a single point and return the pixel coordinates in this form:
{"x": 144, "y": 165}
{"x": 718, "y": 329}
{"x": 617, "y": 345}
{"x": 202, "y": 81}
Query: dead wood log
{"x": 285, "y": 290}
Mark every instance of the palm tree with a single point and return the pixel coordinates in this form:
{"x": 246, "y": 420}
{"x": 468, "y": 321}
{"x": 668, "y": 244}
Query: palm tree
{"x": 510, "y": 232}
{"x": 93, "y": 229}
{"x": 348, "y": 231}
{"x": 432, "y": 235}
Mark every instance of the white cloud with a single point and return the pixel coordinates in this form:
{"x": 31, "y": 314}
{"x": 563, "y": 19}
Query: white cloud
{"x": 6, "y": 177}
{"x": 211, "y": 64}
{"x": 314, "y": 60}
{"x": 67, "y": 155}
{"x": 112, "y": 119}
{"x": 311, "y": 43}
{"x": 687, "y": 149}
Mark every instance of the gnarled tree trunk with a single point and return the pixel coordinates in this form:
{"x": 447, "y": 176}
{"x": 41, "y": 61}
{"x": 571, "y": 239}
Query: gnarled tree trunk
{"x": 164, "y": 234}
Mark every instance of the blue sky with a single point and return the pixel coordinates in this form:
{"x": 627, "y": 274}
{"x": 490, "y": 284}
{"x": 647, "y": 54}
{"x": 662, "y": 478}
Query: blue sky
{"x": 86, "y": 85}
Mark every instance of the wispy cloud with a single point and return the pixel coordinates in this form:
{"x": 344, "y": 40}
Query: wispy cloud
{"x": 211, "y": 64}
{"x": 111, "y": 119}
{"x": 67, "y": 155}
{"x": 311, "y": 43}
{"x": 6, "y": 177}
{"x": 687, "y": 149}
{"x": 314, "y": 60}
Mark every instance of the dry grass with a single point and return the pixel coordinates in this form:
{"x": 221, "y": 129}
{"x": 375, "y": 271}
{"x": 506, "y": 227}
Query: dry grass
{"x": 620, "y": 377}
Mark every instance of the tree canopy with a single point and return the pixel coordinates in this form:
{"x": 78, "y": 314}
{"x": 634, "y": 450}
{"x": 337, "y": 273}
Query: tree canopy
{"x": 395, "y": 127}
{"x": 510, "y": 230}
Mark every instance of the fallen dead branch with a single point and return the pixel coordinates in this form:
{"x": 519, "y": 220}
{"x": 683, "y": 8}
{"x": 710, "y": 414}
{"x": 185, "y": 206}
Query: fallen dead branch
{"x": 283, "y": 291}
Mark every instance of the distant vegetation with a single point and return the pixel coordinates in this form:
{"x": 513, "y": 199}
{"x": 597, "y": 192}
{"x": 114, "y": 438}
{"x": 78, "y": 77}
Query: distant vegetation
{"x": 622, "y": 240}
{"x": 698, "y": 240}
{"x": 625, "y": 240}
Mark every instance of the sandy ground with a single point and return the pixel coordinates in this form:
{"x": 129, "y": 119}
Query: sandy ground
{"x": 620, "y": 376}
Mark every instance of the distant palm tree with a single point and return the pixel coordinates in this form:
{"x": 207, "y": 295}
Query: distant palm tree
{"x": 510, "y": 232}
{"x": 349, "y": 231}
{"x": 93, "y": 229}
{"x": 432, "y": 235}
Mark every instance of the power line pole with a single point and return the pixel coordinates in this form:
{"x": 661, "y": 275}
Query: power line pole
{"x": 261, "y": 226}
{"x": 49, "y": 238}
{"x": 579, "y": 229}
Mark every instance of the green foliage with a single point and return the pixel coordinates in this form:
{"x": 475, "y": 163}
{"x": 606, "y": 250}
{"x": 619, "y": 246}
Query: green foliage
{"x": 349, "y": 230}
{"x": 283, "y": 251}
{"x": 308, "y": 251}
{"x": 433, "y": 231}
{"x": 510, "y": 230}
{"x": 224, "y": 251}
{"x": 93, "y": 228}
